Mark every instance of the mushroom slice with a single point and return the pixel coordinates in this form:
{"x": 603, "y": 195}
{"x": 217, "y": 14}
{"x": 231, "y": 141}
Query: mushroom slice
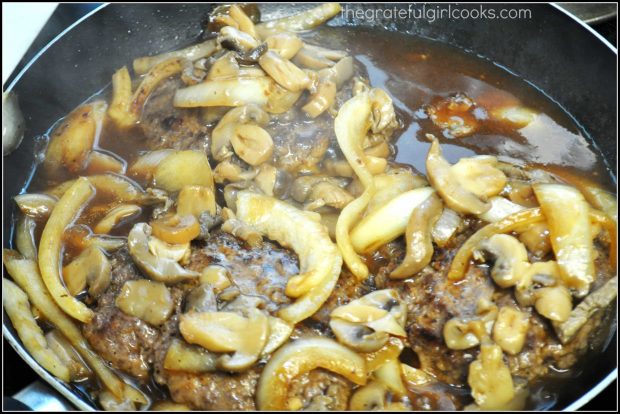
{"x": 570, "y": 228}
{"x": 455, "y": 115}
{"x": 176, "y": 229}
{"x": 146, "y": 300}
{"x": 244, "y": 22}
{"x": 322, "y": 98}
{"x": 448, "y": 184}
{"x": 116, "y": 216}
{"x": 17, "y": 307}
{"x": 510, "y": 259}
{"x": 158, "y": 269}
{"x": 73, "y": 140}
{"x": 281, "y": 100}
{"x": 285, "y": 44}
{"x": 415, "y": 377}
{"x": 303, "y": 185}
{"x": 50, "y": 247}
{"x": 366, "y": 323}
{"x": 299, "y": 22}
{"x": 370, "y": 397}
{"x": 283, "y": 71}
{"x": 228, "y": 332}
{"x": 235, "y": 39}
{"x": 36, "y": 205}
{"x": 554, "y": 303}
{"x": 252, "y": 144}
{"x": 316, "y": 57}
{"x": 228, "y": 171}
{"x": 328, "y": 194}
{"x": 300, "y": 356}
{"x": 80, "y": 237}
{"x": 183, "y": 168}
{"x": 388, "y": 222}
{"x": 489, "y": 378}
{"x": 480, "y": 176}
{"x": 594, "y": 302}
{"x": 226, "y": 92}
{"x": 223, "y": 133}
{"x": 418, "y": 237}
{"x": 91, "y": 268}
{"x": 510, "y": 329}
{"x": 319, "y": 259}
{"x": 179, "y": 252}
{"x": 383, "y": 115}
{"x": 341, "y": 72}
{"x": 462, "y": 334}
{"x": 266, "y": 178}
{"x": 243, "y": 231}
{"x": 390, "y": 375}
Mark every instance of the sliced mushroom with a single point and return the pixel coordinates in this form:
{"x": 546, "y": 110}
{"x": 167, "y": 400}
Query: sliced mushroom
{"x": 570, "y": 229}
{"x": 91, "y": 268}
{"x": 201, "y": 299}
{"x": 235, "y": 39}
{"x": 144, "y": 167}
{"x": 266, "y": 178}
{"x": 489, "y": 378}
{"x": 554, "y": 303}
{"x": 146, "y": 300}
{"x": 510, "y": 329}
{"x": 536, "y": 239}
{"x": 116, "y": 216}
{"x": 281, "y": 99}
{"x": 243, "y": 231}
{"x": 510, "y": 259}
{"x": 279, "y": 332}
{"x": 228, "y": 332}
{"x": 35, "y": 205}
{"x": 370, "y": 397}
{"x": 366, "y": 323}
{"x": 390, "y": 375}
{"x": 244, "y": 22}
{"x": 322, "y": 98}
{"x": 455, "y": 115}
{"x": 161, "y": 270}
{"x": 225, "y": 130}
{"x": 283, "y": 71}
{"x": 229, "y": 171}
{"x": 444, "y": 179}
{"x": 462, "y": 334}
{"x": 594, "y": 302}
{"x": 252, "y": 144}
{"x": 25, "y": 241}
{"x": 418, "y": 238}
{"x": 285, "y": 44}
{"x": 179, "y": 252}
{"x": 480, "y": 176}
{"x": 175, "y": 229}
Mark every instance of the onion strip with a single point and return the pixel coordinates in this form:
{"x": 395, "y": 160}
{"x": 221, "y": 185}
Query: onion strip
{"x": 50, "y": 247}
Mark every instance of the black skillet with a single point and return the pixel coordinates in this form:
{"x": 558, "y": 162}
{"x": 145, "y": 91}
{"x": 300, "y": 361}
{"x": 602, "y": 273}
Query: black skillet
{"x": 552, "y": 50}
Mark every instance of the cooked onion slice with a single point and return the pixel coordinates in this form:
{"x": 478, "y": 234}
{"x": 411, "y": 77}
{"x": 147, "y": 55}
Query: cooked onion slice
{"x": 183, "y": 168}
{"x": 299, "y": 22}
{"x": 26, "y": 275}
{"x": 119, "y": 110}
{"x": 36, "y": 205}
{"x": 319, "y": 260}
{"x": 192, "y": 53}
{"x": 146, "y": 300}
{"x": 507, "y": 224}
{"x": 72, "y": 141}
{"x": 388, "y": 222}
{"x": 17, "y": 307}
{"x": 489, "y": 378}
{"x": 418, "y": 236}
{"x": 567, "y": 213}
{"x": 226, "y": 92}
{"x": 351, "y": 125}
{"x": 303, "y": 355}
{"x": 50, "y": 247}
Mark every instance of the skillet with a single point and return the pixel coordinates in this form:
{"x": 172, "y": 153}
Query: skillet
{"x": 552, "y": 50}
